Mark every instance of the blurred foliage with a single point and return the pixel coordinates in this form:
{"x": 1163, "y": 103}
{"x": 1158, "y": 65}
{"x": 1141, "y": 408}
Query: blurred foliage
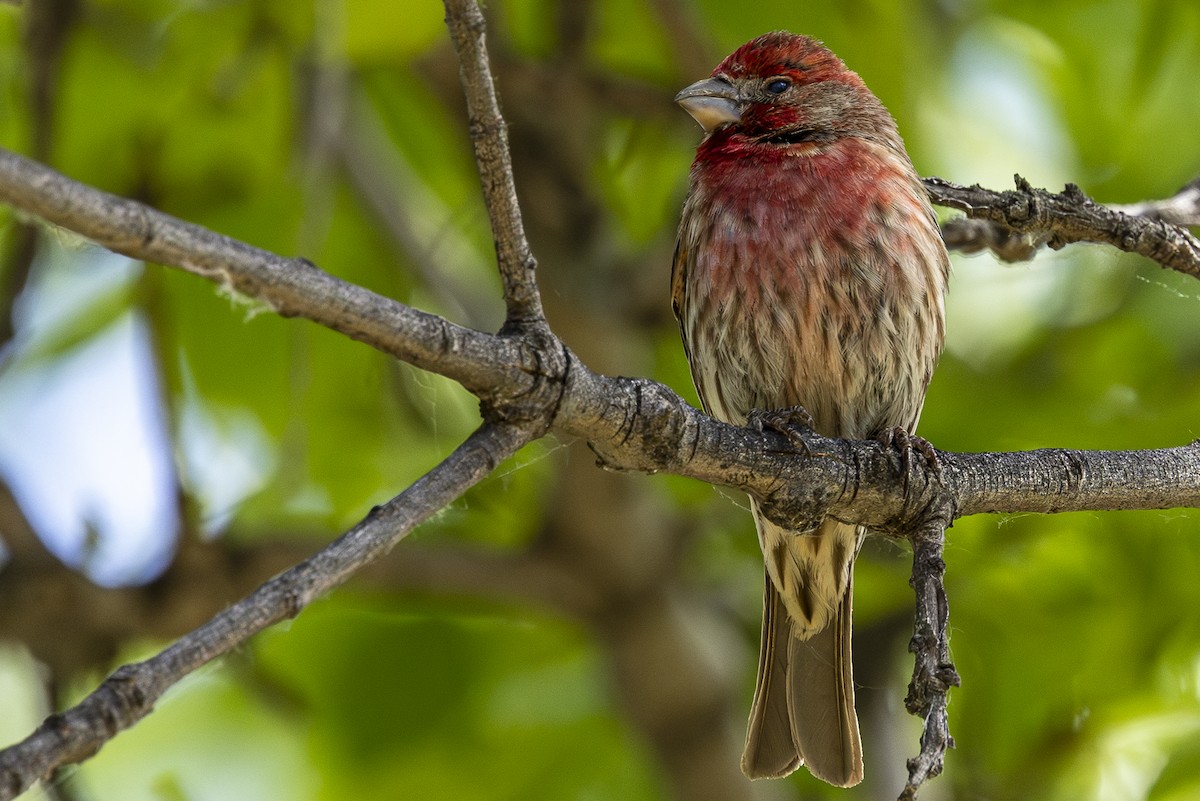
{"x": 1077, "y": 636}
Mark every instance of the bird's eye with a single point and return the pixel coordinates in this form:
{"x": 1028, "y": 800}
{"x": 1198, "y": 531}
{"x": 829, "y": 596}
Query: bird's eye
{"x": 777, "y": 86}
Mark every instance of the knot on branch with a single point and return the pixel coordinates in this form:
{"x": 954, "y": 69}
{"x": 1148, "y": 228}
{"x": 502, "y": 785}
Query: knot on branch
{"x": 126, "y": 698}
{"x": 1023, "y": 203}
{"x": 482, "y": 129}
{"x": 923, "y": 504}
{"x": 535, "y": 403}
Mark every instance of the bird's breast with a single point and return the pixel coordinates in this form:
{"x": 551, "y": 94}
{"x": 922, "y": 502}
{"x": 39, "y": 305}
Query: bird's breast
{"x": 817, "y": 282}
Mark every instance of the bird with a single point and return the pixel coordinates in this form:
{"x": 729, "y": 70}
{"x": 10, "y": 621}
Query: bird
{"x": 809, "y": 274}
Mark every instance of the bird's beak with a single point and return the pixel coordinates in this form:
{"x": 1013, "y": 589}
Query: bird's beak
{"x": 712, "y": 102}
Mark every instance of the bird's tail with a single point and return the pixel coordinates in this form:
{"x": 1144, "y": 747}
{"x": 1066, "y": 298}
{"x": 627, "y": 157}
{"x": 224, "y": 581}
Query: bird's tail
{"x": 803, "y": 711}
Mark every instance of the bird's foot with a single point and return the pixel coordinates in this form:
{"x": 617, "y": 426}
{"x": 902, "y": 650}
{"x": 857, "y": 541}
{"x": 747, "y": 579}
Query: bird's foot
{"x": 791, "y": 422}
{"x": 907, "y": 444}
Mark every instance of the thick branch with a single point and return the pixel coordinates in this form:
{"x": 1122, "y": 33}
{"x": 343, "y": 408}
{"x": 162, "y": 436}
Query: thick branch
{"x": 637, "y": 424}
{"x": 130, "y": 693}
{"x": 489, "y": 135}
{"x": 1056, "y": 220}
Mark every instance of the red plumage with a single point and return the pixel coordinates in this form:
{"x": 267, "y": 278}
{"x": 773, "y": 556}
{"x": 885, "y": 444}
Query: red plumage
{"x": 809, "y": 271}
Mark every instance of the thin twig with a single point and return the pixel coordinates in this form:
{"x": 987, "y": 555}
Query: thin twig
{"x": 489, "y": 136}
{"x": 1182, "y": 208}
{"x": 933, "y": 672}
{"x": 975, "y": 236}
{"x": 1058, "y": 219}
{"x": 129, "y": 693}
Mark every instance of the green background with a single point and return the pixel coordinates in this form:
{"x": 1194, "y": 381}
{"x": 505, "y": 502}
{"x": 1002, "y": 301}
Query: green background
{"x": 1077, "y": 635}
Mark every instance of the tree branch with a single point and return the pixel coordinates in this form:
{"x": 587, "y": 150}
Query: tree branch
{"x": 1182, "y": 208}
{"x": 129, "y": 693}
{"x": 933, "y": 671}
{"x": 641, "y": 425}
{"x": 72, "y": 625}
{"x": 1041, "y": 218}
{"x": 290, "y": 287}
{"x": 489, "y": 136}
{"x": 527, "y": 378}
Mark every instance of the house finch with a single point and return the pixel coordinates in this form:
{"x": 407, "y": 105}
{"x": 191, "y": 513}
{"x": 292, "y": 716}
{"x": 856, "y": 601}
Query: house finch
{"x": 809, "y": 271}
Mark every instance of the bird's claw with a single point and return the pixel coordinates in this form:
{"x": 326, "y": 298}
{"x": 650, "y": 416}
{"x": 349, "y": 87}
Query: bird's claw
{"x": 791, "y": 422}
{"x": 901, "y": 440}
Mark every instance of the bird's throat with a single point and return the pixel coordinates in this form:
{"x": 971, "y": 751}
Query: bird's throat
{"x": 794, "y": 136}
